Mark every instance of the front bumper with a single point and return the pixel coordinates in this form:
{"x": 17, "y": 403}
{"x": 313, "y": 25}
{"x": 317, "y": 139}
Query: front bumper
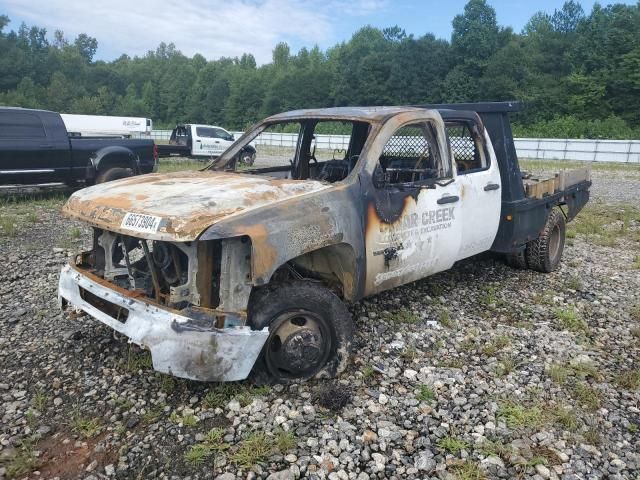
{"x": 177, "y": 348}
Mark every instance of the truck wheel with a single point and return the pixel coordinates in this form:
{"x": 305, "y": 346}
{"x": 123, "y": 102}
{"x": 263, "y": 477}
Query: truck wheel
{"x": 247, "y": 158}
{"x": 310, "y": 332}
{"x": 544, "y": 253}
{"x": 114, "y": 173}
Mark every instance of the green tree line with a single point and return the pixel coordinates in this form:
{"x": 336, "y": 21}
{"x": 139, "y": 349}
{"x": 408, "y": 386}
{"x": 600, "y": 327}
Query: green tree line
{"x": 578, "y": 73}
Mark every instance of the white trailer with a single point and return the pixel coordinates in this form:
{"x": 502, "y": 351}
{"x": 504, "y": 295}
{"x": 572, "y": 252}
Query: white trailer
{"x": 103, "y": 125}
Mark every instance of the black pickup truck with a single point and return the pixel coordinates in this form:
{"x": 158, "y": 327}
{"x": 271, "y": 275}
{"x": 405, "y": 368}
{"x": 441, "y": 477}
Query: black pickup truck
{"x": 35, "y": 149}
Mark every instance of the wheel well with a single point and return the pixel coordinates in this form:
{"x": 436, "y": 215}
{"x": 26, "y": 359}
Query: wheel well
{"x": 334, "y": 265}
{"x": 114, "y": 161}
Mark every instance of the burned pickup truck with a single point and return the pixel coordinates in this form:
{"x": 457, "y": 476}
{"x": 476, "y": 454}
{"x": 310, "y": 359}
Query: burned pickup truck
{"x": 231, "y": 271}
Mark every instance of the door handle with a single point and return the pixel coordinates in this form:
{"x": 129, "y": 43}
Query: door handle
{"x": 448, "y": 199}
{"x": 491, "y": 186}
{"x": 199, "y": 141}
{"x": 217, "y": 141}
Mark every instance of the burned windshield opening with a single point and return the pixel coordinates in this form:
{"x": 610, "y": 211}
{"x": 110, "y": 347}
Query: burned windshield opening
{"x": 318, "y": 149}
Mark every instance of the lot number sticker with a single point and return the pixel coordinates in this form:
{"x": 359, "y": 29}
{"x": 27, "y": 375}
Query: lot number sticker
{"x": 140, "y": 222}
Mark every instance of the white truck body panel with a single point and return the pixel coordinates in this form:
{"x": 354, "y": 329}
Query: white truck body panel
{"x": 103, "y": 125}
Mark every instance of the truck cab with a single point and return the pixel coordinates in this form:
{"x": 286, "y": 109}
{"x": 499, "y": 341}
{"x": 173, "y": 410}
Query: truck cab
{"x": 237, "y": 270}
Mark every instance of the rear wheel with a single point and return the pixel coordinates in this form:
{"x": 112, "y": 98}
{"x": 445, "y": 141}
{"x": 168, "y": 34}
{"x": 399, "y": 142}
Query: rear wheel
{"x": 310, "y": 332}
{"x": 247, "y": 158}
{"x": 545, "y": 252}
{"x": 114, "y": 173}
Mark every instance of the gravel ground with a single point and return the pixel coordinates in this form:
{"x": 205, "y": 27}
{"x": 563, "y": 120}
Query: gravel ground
{"x": 479, "y": 372}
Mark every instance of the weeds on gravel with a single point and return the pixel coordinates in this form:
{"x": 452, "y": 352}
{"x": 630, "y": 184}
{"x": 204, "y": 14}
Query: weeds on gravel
{"x": 409, "y": 353}
{"x": 24, "y": 462}
{"x": 636, "y": 262}
{"x": 367, "y": 371}
{"x": 212, "y": 444}
{"x": 629, "y": 380}
{"x": 635, "y": 312}
{"x": 496, "y": 448}
{"x": 153, "y": 414}
{"x": 585, "y": 369}
{"x": 518, "y": 415}
{"x": 467, "y": 470}
{"x": 285, "y": 441}
{"x": 497, "y": 344}
{"x": 452, "y": 445}
{"x": 8, "y": 225}
{"x": 505, "y": 366}
{"x": 403, "y": 316}
{"x": 558, "y": 374}
{"x": 137, "y": 359}
{"x": 445, "y": 319}
{"x": 425, "y": 393}
{"x": 40, "y": 401}
{"x": 221, "y": 394}
{"x": 570, "y": 320}
{"x": 86, "y": 427}
{"x": 574, "y": 283}
{"x": 186, "y": 419}
{"x": 256, "y": 448}
{"x": 564, "y": 416}
{"x": 587, "y": 395}
{"x": 592, "y": 437}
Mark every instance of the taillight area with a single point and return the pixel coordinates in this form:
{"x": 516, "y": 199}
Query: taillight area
{"x": 155, "y": 152}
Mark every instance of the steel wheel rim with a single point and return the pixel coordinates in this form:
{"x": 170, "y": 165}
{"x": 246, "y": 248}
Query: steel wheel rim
{"x": 299, "y": 344}
{"x": 554, "y": 242}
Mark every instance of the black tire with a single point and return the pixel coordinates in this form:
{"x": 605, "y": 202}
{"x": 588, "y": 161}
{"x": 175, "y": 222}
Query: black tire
{"x": 247, "y": 158}
{"x": 517, "y": 260}
{"x": 114, "y": 173}
{"x": 545, "y": 252}
{"x": 310, "y": 332}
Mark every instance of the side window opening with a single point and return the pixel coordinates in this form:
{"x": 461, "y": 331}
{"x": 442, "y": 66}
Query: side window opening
{"x": 467, "y": 147}
{"x": 276, "y": 149}
{"x": 412, "y": 156}
{"x": 21, "y": 125}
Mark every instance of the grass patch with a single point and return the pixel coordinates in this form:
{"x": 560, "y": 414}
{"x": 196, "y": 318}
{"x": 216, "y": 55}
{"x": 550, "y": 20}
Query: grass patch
{"x": 168, "y": 166}
{"x": 497, "y": 344}
{"x": 285, "y": 441}
{"x": 635, "y": 312}
{"x": 213, "y": 443}
{"x": 403, "y": 316}
{"x": 40, "y": 401}
{"x": 24, "y": 462}
{"x": 505, "y": 366}
{"x": 452, "y": 445}
{"x": 186, "y": 419}
{"x": 8, "y": 225}
{"x": 496, "y": 448}
{"x": 574, "y": 283}
{"x": 555, "y": 165}
{"x": 153, "y": 414}
{"x": 587, "y": 395}
{"x": 564, "y": 416}
{"x": 256, "y": 448}
{"x": 570, "y": 320}
{"x": 137, "y": 359}
{"x": 518, "y": 415}
{"x": 467, "y": 470}
{"x": 592, "y": 437}
{"x": 409, "y": 353}
{"x": 85, "y": 427}
{"x": 629, "y": 380}
{"x": 636, "y": 262}
{"x": 367, "y": 371}
{"x": 221, "y": 394}
{"x": 445, "y": 319}
{"x": 425, "y": 393}
{"x": 558, "y": 374}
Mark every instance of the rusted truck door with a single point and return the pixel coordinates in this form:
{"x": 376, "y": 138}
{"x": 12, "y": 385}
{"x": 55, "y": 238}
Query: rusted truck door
{"x": 413, "y": 226}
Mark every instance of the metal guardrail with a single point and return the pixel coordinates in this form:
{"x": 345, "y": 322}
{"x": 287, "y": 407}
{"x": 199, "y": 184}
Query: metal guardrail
{"x": 618, "y": 151}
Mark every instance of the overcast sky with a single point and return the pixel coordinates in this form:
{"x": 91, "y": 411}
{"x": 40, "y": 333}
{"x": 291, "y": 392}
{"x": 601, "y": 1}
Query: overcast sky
{"x": 229, "y": 28}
